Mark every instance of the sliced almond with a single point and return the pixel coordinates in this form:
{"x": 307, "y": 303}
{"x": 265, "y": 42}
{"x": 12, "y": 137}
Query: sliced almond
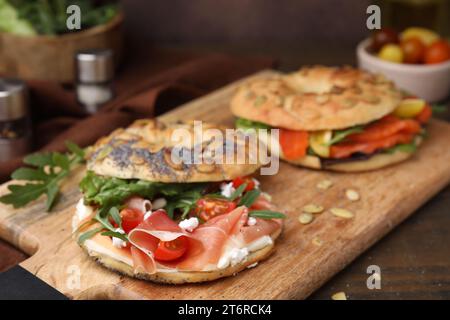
{"x": 342, "y": 213}
{"x": 324, "y": 184}
{"x": 339, "y": 296}
{"x": 352, "y": 195}
{"x": 312, "y": 208}
{"x": 305, "y": 218}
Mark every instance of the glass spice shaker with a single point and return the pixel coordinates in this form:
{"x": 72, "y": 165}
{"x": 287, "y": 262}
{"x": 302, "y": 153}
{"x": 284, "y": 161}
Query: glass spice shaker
{"x": 94, "y": 72}
{"x": 15, "y": 123}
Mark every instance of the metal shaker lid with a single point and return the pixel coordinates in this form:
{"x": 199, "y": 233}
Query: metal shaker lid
{"x": 13, "y": 99}
{"x": 94, "y": 65}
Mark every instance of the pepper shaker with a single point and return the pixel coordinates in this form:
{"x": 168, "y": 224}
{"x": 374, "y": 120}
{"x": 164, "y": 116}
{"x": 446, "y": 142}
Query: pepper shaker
{"x": 95, "y": 72}
{"x": 15, "y": 124}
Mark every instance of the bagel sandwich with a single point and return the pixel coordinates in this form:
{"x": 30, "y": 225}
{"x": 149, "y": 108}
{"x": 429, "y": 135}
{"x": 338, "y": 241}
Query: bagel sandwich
{"x": 340, "y": 119}
{"x": 147, "y": 216}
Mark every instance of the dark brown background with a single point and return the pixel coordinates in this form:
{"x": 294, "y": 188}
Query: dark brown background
{"x": 415, "y": 258}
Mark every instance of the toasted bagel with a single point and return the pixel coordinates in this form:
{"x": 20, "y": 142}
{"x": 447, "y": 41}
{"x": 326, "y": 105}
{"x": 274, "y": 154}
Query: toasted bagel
{"x": 317, "y": 98}
{"x": 143, "y": 151}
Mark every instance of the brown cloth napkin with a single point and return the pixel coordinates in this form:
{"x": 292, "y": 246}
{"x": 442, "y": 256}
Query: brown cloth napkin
{"x": 142, "y": 90}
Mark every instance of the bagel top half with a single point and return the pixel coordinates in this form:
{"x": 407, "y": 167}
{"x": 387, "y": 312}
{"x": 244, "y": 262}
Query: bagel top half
{"x": 317, "y": 98}
{"x": 144, "y": 151}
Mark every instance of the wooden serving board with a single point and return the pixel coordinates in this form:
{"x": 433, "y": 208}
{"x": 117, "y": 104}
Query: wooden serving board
{"x": 300, "y": 263}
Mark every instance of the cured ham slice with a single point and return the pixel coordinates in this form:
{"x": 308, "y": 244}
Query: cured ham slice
{"x": 206, "y": 243}
{"x": 146, "y": 236}
{"x": 212, "y": 236}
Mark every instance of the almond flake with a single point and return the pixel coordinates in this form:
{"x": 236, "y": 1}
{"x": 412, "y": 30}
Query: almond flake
{"x": 324, "y": 184}
{"x": 312, "y": 208}
{"x": 306, "y": 218}
{"x": 339, "y": 296}
{"x": 342, "y": 213}
{"x": 352, "y": 195}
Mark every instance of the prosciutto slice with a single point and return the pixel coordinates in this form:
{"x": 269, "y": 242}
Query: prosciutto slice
{"x": 206, "y": 243}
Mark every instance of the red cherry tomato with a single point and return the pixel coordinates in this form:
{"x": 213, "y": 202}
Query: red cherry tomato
{"x": 209, "y": 208}
{"x": 413, "y": 50}
{"x": 171, "y": 250}
{"x": 131, "y": 218}
{"x": 437, "y": 52}
{"x": 241, "y": 180}
{"x": 382, "y": 37}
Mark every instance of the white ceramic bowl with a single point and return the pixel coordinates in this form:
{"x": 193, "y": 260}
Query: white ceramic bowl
{"x": 429, "y": 82}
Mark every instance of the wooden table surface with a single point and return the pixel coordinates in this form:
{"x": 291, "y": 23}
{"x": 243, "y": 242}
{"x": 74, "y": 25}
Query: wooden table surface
{"x": 414, "y": 258}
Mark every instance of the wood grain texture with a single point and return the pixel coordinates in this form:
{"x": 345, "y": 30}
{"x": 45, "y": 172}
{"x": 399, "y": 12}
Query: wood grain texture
{"x": 295, "y": 270}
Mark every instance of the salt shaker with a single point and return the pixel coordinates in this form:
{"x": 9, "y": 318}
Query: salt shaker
{"x": 15, "y": 123}
{"x": 95, "y": 72}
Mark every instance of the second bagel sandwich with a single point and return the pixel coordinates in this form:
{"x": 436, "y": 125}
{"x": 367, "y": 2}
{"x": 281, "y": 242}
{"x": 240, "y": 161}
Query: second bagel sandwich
{"x": 340, "y": 119}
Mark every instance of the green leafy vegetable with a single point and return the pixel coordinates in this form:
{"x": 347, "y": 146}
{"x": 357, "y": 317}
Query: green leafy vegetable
{"x": 89, "y": 234}
{"x": 249, "y": 198}
{"x": 115, "y": 235}
{"x": 238, "y": 192}
{"x": 48, "y": 172}
{"x": 107, "y": 192}
{"x": 339, "y": 135}
{"x": 246, "y": 124}
{"x": 266, "y": 214}
{"x": 403, "y": 147}
{"x": 12, "y": 23}
{"x": 49, "y": 17}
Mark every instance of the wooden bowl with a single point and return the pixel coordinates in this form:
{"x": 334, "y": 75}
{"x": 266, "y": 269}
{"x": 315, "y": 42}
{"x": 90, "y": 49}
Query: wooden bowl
{"x": 52, "y": 57}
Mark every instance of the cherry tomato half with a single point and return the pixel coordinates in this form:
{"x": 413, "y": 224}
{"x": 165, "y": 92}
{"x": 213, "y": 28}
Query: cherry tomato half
{"x": 131, "y": 218}
{"x": 241, "y": 180}
{"x": 171, "y": 250}
{"x": 210, "y": 208}
{"x": 438, "y": 52}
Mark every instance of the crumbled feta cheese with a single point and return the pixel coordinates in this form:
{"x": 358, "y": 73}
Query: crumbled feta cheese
{"x": 159, "y": 203}
{"x": 227, "y": 189}
{"x": 233, "y": 257}
{"x": 256, "y": 183}
{"x": 117, "y": 242}
{"x": 251, "y": 221}
{"x": 189, "y": 224}
{"x": 238, "y": 255}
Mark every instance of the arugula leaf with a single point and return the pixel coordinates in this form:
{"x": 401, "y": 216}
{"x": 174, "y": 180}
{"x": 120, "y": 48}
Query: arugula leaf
{"x": 238, "y": 192}
{"x": 115, "y": 235}
{"x": 266, "y": 214}
{"x": 89, "y": 234}
{"x": 339, "y": 135}
{"x": 30, "y": 174}
{"x": 114, "y": 213}
{"x": 403, "y": 147}
{"x": 246, "y": 124}
{"x": 108, "y": 192}
{"x": 249, "y": 198}
{"x": 49, "y": 171}
{"x": 21, "y": 195}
